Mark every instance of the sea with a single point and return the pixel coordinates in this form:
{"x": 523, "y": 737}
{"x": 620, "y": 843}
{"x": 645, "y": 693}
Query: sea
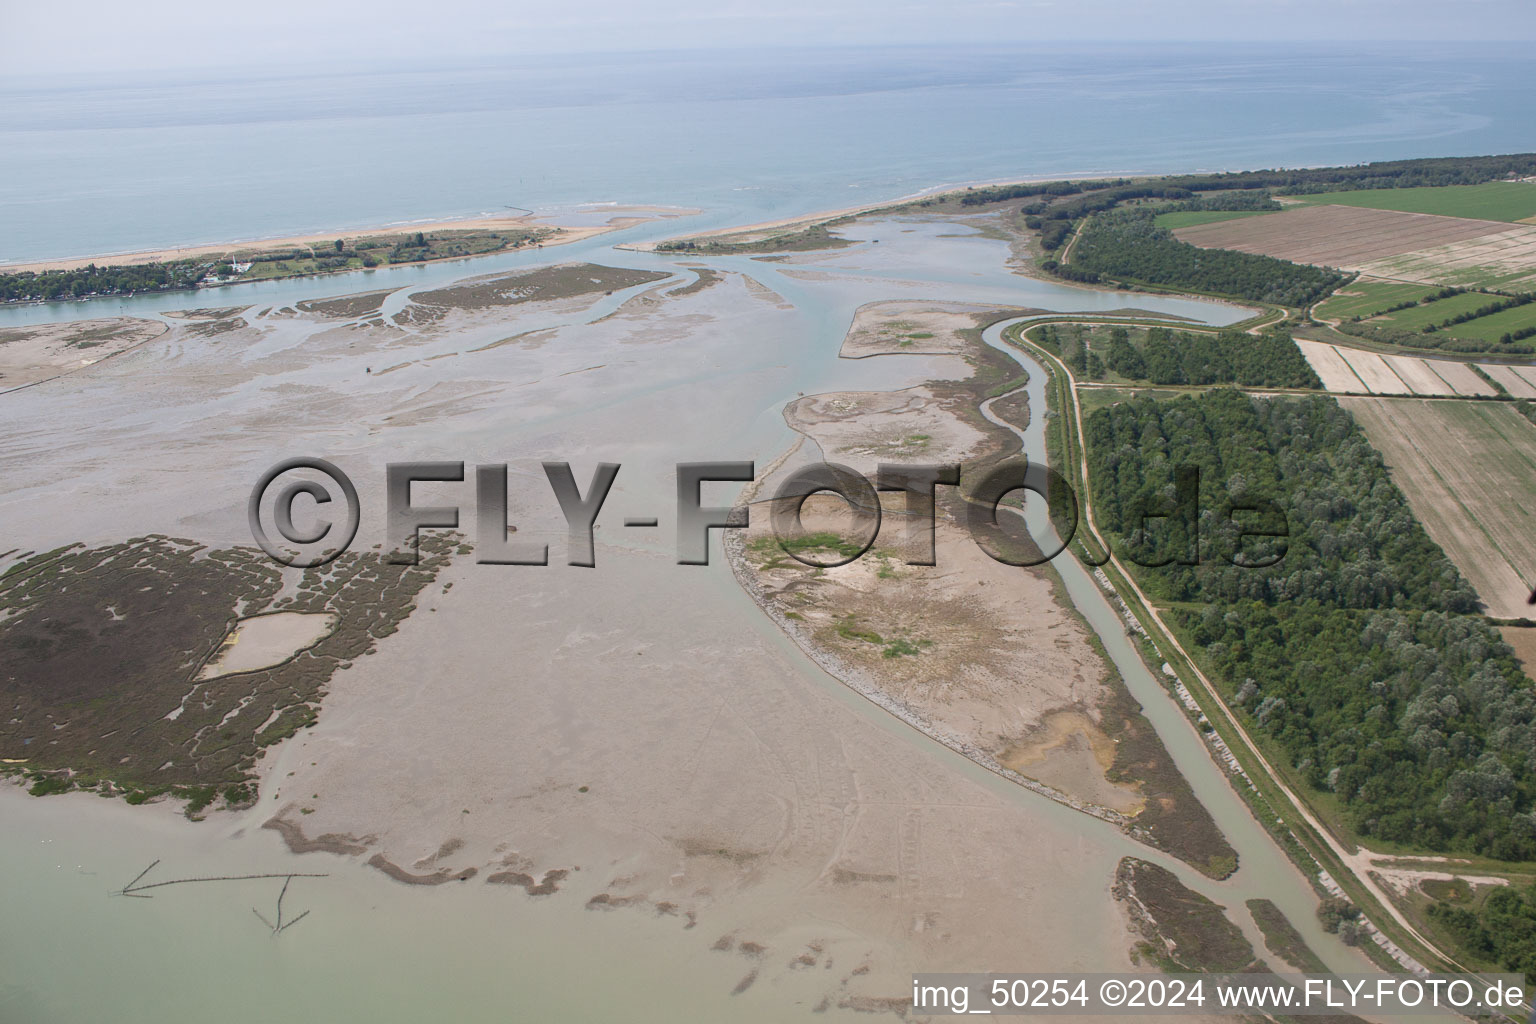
{"x": 94, "y": 165}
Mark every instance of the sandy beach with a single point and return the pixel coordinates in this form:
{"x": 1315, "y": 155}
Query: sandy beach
{"x": 620, "y": 217}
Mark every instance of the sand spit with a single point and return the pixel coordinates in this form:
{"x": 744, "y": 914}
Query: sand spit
{"x": 973, "y": 652}
{"x": 437, "y": 877}
{"x": 761, "y": 230}
{"x": 989, "y": 659}
{"x": 943, "y": 647}
{"x": 544, "y": 284}
{"x": 861, "y": 429}
{"x": 911, "y": 328}
{"x": 619, "y": 217}
{"x": 331, "y": 842}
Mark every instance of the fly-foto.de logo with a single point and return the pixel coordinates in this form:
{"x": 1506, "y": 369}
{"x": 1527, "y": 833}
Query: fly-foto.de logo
{"x": 304, "y": 512}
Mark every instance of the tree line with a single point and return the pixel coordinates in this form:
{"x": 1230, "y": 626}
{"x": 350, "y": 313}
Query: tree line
{"x": 1455, "y": 170}
{"x": 1487, "y": 309}
{"x": 1510, "y": 343}
{"x": 28, "y": 286}
{"x": 1502, "y": 930}
{"x": 1357, "y": 651}
{"x": 1126, "y": 243}
{"x": 1160, "y": 355}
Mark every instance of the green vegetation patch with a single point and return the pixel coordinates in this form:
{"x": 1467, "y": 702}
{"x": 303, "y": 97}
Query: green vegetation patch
{"x": 1438, "y": 311}
{"x": 1162, "y": 356}
{"x": 27, "y": 285}
{"x": 1283, "y": 939}
{"x": 822, "y": 546}
{"x": 1463, "y": 321}
{"x": 100, "y": 650}
{"x": 563, "y": 281}
{"x": 848, "y": 628}
{"x": 1493, "y": 200}
{"x": 1181, "y": 930}
{"x": 1366, "y": 298}
{"x": 1451, "y": 890}
{"x": 808, "y": 239}
{"x": 1173, "y": 819}
{"x": 263, "y": 264}
{"x": 1358, "y": 654}
{"x": 1501, "y": 931}
{"x": 1126, "y": 244}
{"x": 1499, "y": 328}
{"x": 1175, "y": 219}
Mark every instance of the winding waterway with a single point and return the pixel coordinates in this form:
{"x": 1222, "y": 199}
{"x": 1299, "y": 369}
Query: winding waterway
{"x": 73, "y": 952}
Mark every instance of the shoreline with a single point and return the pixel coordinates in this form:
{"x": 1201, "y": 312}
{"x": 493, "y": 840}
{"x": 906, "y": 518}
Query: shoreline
{"x": 623, "y": 216}
{"x": 626, "y": 215}
{"x": 824, "y": 216}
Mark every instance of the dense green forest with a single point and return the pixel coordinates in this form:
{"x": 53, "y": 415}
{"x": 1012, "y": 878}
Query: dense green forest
{"x": 1354, "y": 651}
{"x": 1161, "y": 356}
{"x": 1470, "y": 170}
{"x": 1126, "y": 243}
{"x": 1503, "y": 930}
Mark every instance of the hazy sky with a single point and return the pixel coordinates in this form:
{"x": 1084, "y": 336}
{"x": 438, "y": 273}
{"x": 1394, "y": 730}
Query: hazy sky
{"x": 113, "y": 34}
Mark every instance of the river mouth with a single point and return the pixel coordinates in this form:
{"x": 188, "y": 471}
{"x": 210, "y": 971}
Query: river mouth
{"x": 640, "y": 726}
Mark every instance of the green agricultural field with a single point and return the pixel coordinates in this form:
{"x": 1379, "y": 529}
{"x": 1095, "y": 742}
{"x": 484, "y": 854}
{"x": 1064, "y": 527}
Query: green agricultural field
{"x": 1189, "y": 218}
{"x": 1494, "y": 200}
{"x": 1367, "y": 297}
{"x": 295, "y": 268}
{"x": 1492, "y": 328}
{"x": 1441, "y": 309}
{"x": 1095, "y": 398}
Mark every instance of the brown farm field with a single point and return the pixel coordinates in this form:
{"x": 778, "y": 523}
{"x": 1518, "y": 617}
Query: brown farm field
{"x": 1505, "y": 260}
{"x": 1523, "y": 640}
{"x": 1337, "y": 236}
{"x": 1345, "y": 370}
{"x": 1468, "y": 470}
{"x": 1414, "y": 248}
